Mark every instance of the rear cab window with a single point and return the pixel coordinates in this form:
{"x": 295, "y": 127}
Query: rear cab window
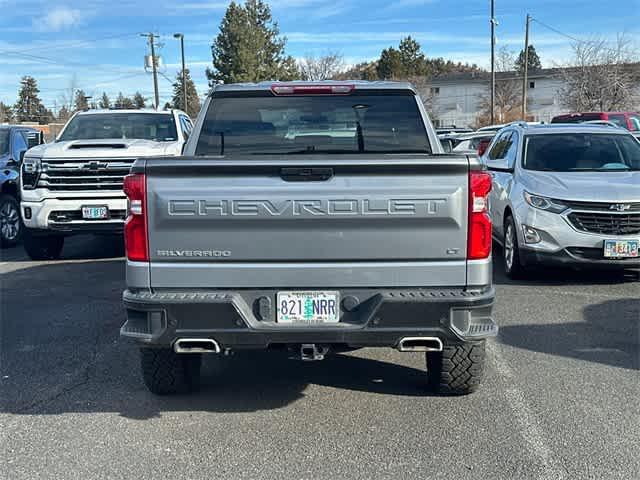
{"x": 262, "y": 123}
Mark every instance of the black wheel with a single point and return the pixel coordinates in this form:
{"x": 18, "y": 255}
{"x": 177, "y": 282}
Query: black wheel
{"x": 10, "y": 221}
{"x": 513, "y": 266}
{"x": 166, "y": 372}
{"x": 43, "y": 247}
{"x": 457, "y": 369}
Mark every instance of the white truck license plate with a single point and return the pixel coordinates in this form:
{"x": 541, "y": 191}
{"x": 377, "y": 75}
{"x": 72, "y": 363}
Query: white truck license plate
{"x": 95, "y": 213}
{"x": 308, "y": 307}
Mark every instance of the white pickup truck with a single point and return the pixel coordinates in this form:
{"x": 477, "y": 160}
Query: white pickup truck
{"x": 74, "y": 185}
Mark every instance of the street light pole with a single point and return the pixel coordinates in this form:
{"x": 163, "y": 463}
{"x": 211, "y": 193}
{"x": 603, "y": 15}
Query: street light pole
{"x": 493, "y": 61}
{"x": 184, "y": 76}
{"x": 526, "y": 69}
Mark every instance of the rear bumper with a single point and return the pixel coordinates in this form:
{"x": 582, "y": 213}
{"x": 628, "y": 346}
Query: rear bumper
{"x": 246, "y": 319}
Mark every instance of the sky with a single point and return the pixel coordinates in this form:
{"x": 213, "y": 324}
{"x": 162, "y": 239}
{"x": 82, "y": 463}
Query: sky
{"x": 96, "y": 45}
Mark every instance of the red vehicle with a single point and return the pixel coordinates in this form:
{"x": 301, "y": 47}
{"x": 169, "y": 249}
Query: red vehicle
{"x": 628, "y": 120}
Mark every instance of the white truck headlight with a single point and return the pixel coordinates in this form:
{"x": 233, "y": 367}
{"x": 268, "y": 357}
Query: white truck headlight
{"x": 30, "y": 172}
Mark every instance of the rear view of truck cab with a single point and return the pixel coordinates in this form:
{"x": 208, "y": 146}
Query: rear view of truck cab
{"x": 316, "y": 218}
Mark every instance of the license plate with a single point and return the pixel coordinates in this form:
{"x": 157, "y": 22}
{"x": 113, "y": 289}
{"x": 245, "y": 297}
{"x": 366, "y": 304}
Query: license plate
{"x": 621, "y": 248}
{"x": 95, "y": 213}
{"x": 308, "y": 307}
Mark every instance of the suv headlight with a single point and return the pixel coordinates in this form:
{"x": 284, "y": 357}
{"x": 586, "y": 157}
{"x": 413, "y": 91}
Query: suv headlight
{"x": 543, "y": 203}
{"x": 30, "y": 172}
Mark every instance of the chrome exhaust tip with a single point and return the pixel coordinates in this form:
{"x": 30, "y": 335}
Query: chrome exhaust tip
{"x": 420, "y": 344}
{"x": 196, "y": 345}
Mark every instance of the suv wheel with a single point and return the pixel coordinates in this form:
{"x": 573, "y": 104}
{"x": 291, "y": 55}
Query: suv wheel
{"x": 166, "y": 372}
{"x": 511, "y": 251}
{"x": 457, "y": 369}
{"x": 43, "y": 247}
{"x": 10, "y": 221}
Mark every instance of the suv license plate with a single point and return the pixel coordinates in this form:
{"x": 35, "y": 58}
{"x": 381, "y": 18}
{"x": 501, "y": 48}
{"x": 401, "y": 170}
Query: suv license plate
{"x": 621, "y": 248}
{"x": 308, "y": 307}
{"x": 95, "y": 213}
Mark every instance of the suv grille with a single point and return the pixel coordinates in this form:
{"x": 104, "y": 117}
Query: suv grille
{"x": 82, "y": 174}
{"x": 606, "y": 223}
{"x": 600, "y": 206}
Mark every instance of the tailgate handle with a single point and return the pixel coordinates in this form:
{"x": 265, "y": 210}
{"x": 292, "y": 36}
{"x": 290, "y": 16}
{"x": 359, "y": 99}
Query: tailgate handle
{"x": 306, "y": 174}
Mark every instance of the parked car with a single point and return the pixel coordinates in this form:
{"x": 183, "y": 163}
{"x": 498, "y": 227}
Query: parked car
{"x": 565, "y": 194}
{"x": 74, "y": 185}
{"x": 15, "y": 140}
{"x": 472, "y": 143}
{"x": 265, "y": 237}
{"x": 452, "y": 129}
{"x": 628, "y": 120}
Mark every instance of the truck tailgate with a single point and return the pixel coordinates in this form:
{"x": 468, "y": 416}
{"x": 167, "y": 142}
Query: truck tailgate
{"x": 308, "y": 222}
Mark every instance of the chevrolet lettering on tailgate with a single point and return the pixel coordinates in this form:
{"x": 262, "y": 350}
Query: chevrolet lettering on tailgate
{"x": 328, "y": 207}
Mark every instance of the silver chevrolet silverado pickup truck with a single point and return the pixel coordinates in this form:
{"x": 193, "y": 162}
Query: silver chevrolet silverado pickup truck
{"x": 317, "y": 218}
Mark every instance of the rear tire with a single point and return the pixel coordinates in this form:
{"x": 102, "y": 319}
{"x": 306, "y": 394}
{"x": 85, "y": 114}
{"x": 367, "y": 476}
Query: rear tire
{"x": 513, "y": 266}
{"x": 45, "y": 247}
{"x": 457, "y": 369}
{"x": 11, "y": 226}
{"x": 166, "y": 372}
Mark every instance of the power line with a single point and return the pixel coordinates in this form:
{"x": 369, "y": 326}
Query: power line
{"x": 69, "y": 44}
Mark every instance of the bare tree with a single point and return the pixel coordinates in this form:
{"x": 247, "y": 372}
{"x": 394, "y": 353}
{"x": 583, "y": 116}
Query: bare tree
{"x": 602, "y": 76}
{"x": 505, "y": 59}
{"x": 508, "y": 103}
{"x": 321, "y": 68}
{"x": 67, "y": 100}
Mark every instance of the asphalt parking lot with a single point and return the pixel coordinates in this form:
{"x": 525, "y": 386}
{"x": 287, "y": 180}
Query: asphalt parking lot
{"x": 560, "y": 399}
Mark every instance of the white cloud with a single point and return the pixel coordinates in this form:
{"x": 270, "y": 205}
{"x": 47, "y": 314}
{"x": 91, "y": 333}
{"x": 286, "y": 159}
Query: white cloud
{"x": 60, "y": 18}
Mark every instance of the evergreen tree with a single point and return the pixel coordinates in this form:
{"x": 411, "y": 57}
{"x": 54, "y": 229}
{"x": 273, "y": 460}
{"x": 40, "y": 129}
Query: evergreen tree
{"x": 80, "y": 102}
{"x": 139, "y": 101}
{"x": 193, "y": 101}
{"x": 123, "y": 102}
{"x": 249, "y": 47}
{"x": 104, "y": 101}
{"x": 6, "y": 113}
{"x": 29, "y": 107}
{"x": 533, "y": 60}
{"x": 412, "y": 58}
{"x": 390, "y": 65}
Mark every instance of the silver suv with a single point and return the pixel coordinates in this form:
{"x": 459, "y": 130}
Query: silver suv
{"x": 567, "y": 194}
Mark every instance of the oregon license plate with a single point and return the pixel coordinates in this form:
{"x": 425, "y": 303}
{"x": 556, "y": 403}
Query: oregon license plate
{"x": 308, "y": 307}
{"x": 621, "y": 248}
{"x": 95, "y": 212}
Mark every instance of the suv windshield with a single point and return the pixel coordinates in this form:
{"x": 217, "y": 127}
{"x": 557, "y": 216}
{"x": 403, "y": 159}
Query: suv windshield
{"x": 569, "y": 152}
{"x": 144, "y": 126}
{"x": 4, "y": 141}
{"x": 310, "y": 124}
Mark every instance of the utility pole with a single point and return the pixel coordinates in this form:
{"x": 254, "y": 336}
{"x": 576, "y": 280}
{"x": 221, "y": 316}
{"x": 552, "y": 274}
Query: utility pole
{"x": 150, "y": 36}
{"x": 493, "y": 62}
{"x": 184, "y": 73}
{"x": 526, "y": 69}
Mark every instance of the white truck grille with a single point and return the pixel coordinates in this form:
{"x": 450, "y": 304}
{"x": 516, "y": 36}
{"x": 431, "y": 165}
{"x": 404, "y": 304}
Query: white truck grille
{"x": 84, "y": 173}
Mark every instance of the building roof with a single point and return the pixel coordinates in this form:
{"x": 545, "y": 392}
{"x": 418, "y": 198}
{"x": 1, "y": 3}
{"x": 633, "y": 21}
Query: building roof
{"x": 510, "y": 75}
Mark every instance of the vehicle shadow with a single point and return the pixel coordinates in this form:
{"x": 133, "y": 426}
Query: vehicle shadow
{"x": 610, "y": 335}
{"x": 61, "y": 352}
{"x": 554, "y": 275}
{"x": 81, "y": 247}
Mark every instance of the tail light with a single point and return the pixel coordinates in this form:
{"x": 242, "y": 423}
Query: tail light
{"x": 135, "y": 226}
{"x": 310, "y": 89}
{"x": 479, "y": 236}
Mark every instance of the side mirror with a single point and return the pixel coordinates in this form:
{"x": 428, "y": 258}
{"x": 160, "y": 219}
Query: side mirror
{"x": 447, "y": 144}
{"x": 34, "y": 139}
